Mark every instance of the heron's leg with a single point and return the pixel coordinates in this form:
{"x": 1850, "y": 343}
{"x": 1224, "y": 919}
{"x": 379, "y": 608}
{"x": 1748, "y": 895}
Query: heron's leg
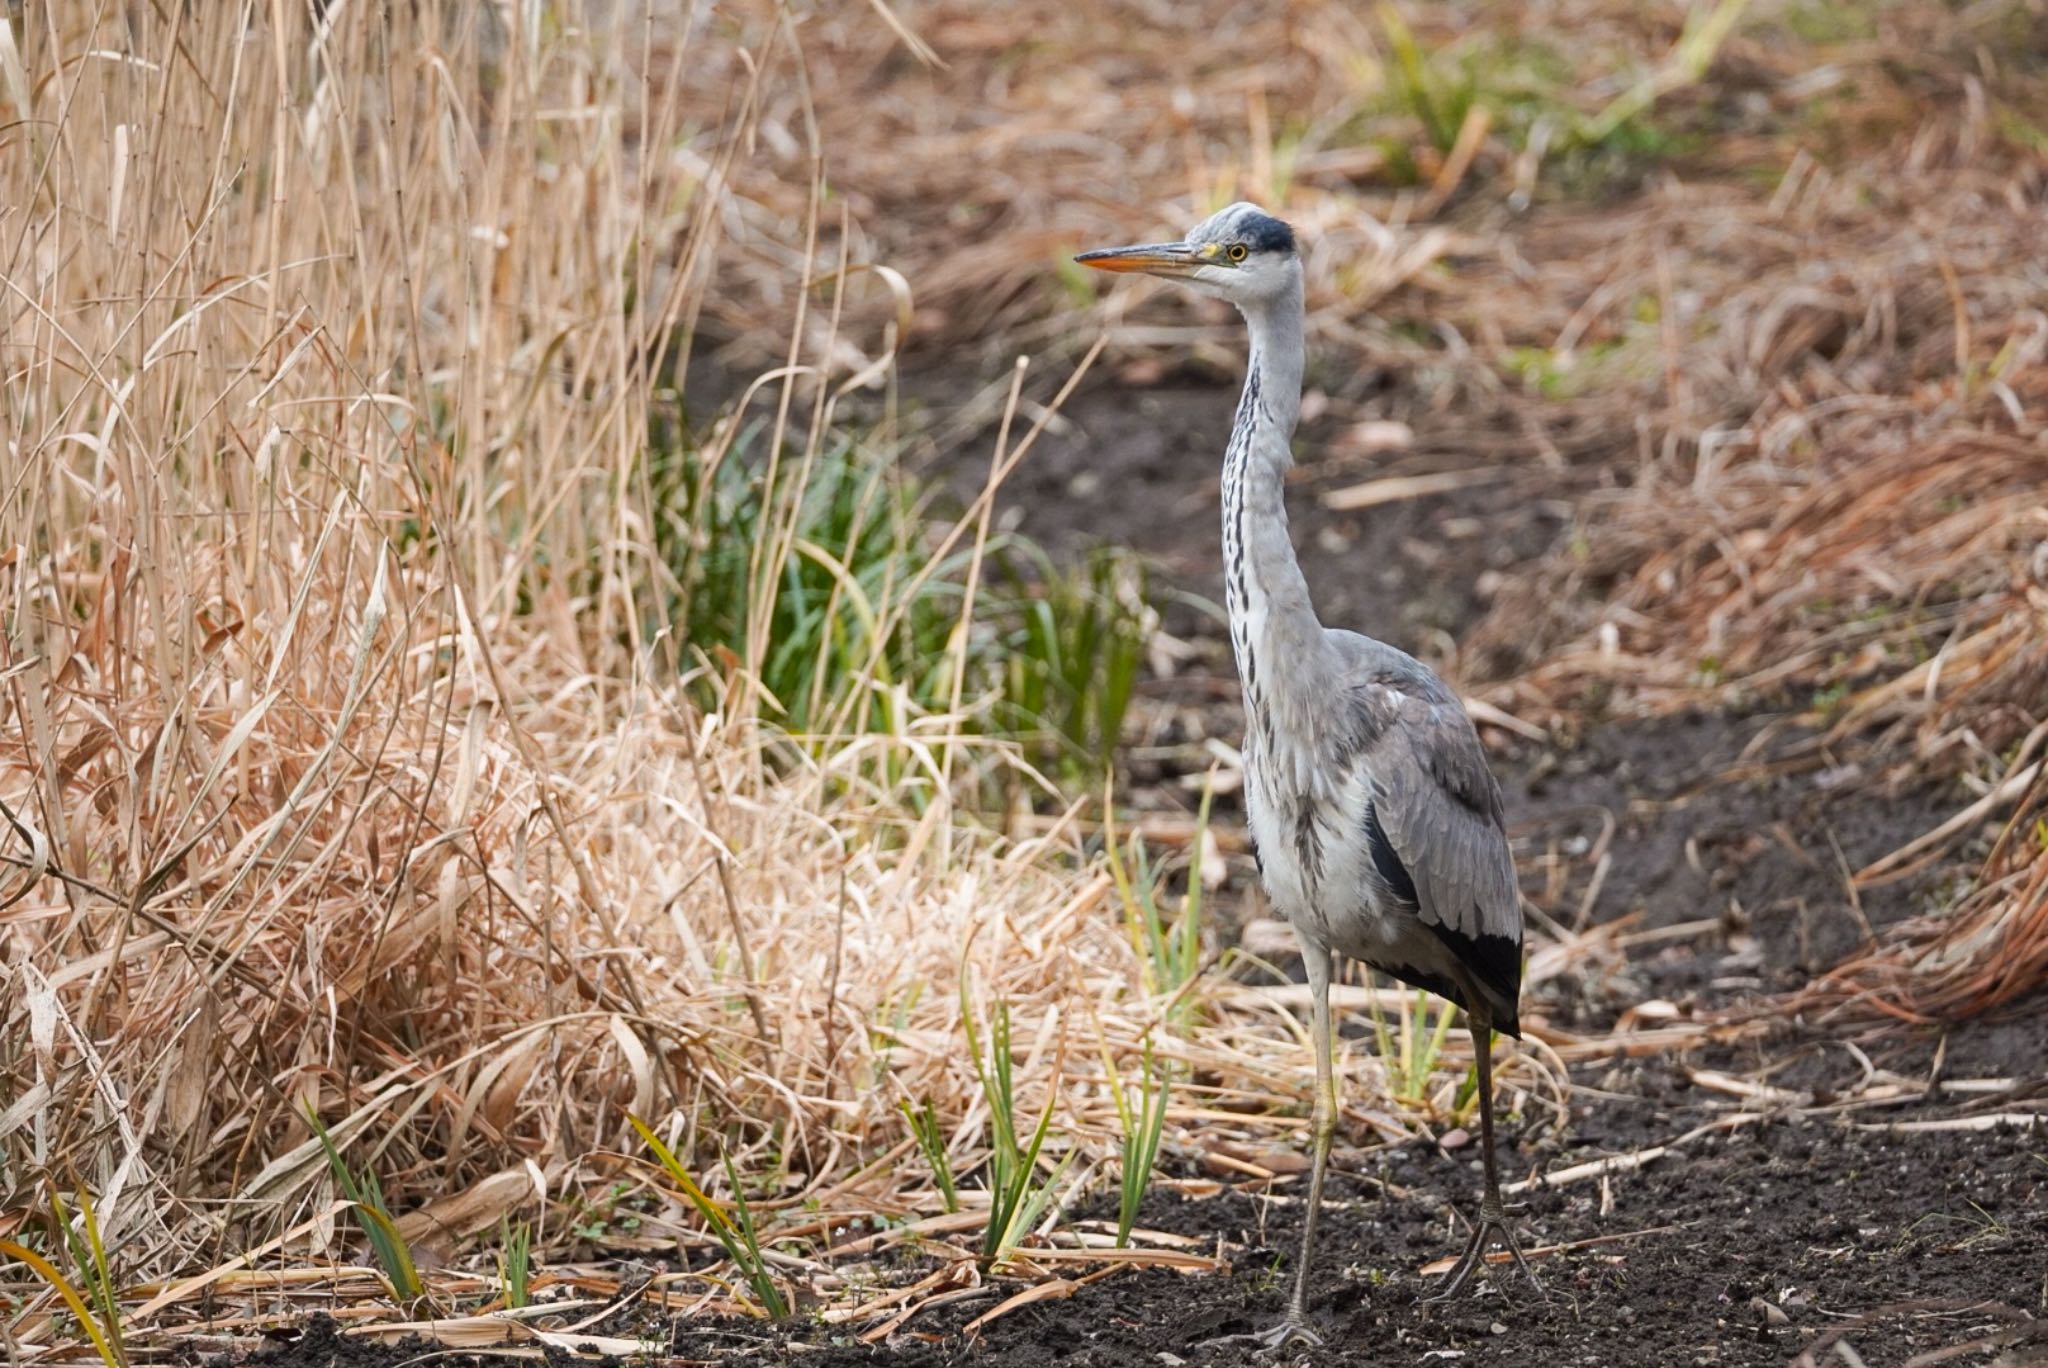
{"x": 1324, "y": 1124}
{"x": 1493, "y": 1214}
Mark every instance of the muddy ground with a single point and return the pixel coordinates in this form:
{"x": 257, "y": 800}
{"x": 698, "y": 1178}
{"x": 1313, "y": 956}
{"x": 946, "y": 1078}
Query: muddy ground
{"x": 1807, "y": 1225}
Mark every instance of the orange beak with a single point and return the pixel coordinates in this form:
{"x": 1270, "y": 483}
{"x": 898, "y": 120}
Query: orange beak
{"x": 1158, "y": 258}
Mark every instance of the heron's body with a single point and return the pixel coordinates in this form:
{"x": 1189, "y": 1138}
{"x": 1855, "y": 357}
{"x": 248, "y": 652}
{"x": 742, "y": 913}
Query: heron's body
{"x": 1326, "y": 866}
{"x": 1375, "y": 818}
{"x": 1350, "y": 743}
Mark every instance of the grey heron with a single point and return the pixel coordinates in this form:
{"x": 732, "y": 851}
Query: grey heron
{"x": 1374, "y": 818}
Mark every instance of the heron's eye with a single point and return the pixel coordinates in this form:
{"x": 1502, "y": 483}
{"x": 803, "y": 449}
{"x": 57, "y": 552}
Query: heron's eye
{"x": 1237, "y": 251}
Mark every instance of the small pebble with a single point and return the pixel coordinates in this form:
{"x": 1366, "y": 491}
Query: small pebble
{"x": 1497, "y": 1328}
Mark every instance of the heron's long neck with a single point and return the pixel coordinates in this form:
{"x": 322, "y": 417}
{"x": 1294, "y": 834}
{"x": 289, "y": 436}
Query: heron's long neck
{"x": 1273, "y": 627}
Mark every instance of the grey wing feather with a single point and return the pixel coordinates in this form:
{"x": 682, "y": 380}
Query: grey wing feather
{"x": 1441, "y": 810}
{"x": 1439, "y": 807}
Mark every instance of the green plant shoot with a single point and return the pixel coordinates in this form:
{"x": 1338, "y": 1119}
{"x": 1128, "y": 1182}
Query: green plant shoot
{"x": 366, "y": 1195}
{"x": 1016, "y": 1197}
{"x": 737, "y": 1236}
{"x": 1141, "y": 1128}
{"x": 931, "y": 1142}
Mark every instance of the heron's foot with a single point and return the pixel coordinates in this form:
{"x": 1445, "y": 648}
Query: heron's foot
{"x": 1292, "y": 1329}
{"x": 1265, "y": 1343}
{"x": 1493, "y": 1220}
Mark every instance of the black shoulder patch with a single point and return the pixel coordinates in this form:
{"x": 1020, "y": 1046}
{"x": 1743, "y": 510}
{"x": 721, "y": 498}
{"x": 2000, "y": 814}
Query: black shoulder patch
{"x": 1386, "y": 859}
{"x": 1264, "y": 233}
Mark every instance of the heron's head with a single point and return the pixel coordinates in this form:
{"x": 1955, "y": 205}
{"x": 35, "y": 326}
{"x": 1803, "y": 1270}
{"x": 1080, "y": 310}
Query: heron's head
{"x": 1241, "y": 254}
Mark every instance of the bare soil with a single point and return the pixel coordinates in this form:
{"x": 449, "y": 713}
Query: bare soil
{"x": 1897, "y": 1244}
{"x": 1757, "y": 1244}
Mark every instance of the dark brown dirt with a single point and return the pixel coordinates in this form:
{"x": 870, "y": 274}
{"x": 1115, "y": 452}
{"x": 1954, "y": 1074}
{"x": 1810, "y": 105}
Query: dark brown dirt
{"x": 1744, "y": 829}
{"x": 1748, "y": 1248}
{"x": 1898, "y": 1244}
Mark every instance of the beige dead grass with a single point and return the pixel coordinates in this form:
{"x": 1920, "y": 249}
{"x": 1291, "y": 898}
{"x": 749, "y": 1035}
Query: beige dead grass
{"x": 1047, "y": 129}
{"x": 1839, "y": 510}
{"x": 346, "y": 769}
{"x": 319, "y": 361}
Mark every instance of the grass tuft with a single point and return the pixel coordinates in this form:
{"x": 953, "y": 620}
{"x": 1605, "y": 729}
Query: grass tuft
{"x": 818, "y": 578}
{"x": 366, "y": 1195}
{"x": 1140, "y": 1127}
{"x": 734, "y": 1233}
{"x": 930, "y": 1135}
{"x": 1410, "y": 1049}
{"x": 515, "y": 1262}
{"x": 89, "y": 1256}
{"x": 1072, "y": 658}
{"x": 1018, "y": 1195}
{"x": 1170, "y": 950}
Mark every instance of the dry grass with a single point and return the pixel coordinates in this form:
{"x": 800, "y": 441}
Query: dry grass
{"x": 351, "y": 772}
{"x": 342, "y": 776}
{"x": 1837, "y": 513}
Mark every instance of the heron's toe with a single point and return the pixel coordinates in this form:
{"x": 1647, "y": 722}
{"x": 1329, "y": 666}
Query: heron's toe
{"x": 1469, "y": 1263}
{"x": 1291, "y": 1331}
{"x": 1267, "y": 1343}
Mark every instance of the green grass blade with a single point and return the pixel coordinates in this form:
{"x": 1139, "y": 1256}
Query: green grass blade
{"x": 103, "y": 1278}
{"x": 393, "y": 1254}
{"x": 1383, "y": 1040}
{"x": 515, "y": 1264}
{"x": 1140, "y": 1145}
{"x": 756, "y": 1266}
{"x": 366, "y": 1195}
{"x": 924, "y": 1128}
{"x": 1018, "y": 1199}
{"x": 737, "y": 1239}
{"x": 720, "y": 1223}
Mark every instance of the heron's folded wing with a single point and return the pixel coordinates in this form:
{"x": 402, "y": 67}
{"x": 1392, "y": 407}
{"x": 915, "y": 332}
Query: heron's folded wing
{"x": 1440, "y": 810}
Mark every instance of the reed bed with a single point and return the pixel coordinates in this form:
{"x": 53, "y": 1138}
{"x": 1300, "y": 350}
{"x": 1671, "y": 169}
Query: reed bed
{"x": 351, "y": 767}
